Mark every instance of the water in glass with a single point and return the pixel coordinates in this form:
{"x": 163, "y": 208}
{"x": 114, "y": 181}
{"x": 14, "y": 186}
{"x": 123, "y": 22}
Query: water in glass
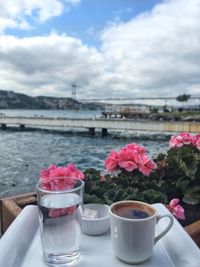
{"x": 60, "y": 218}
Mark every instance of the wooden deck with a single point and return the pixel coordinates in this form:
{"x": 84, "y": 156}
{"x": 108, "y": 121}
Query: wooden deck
{"x": 100, "y": 123}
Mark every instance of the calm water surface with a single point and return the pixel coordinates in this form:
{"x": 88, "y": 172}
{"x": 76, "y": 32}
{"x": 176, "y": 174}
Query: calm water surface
{"x": 25, "y": 153}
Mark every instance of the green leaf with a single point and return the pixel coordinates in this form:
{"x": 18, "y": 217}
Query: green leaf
{"x": 107, "y": 199}
{"x": 182, "y": 184}
{"x": 92, "y": 199}
{"x": 153, "y": 196}
{"x": 191, "y": 170}
{"x": 190, "y": 200}
{"x": 120, "y": 195}
{"x": 192, "y": 195}
{"x": 194, "y": 190}
{"x": 92, "y": 174}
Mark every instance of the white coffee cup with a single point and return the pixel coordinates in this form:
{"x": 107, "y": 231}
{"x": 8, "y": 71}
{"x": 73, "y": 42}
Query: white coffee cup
{"x": 133, "y": 230}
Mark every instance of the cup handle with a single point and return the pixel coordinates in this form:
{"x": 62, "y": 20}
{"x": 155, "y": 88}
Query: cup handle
{"x": 159, "y": 217}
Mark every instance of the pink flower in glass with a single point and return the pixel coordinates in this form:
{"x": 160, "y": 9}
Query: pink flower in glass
{"x": 54, "y": 173}
{"x": 57, "y": 172}
{"x": 54, "y": 213}
{"x": 45, "y": 173}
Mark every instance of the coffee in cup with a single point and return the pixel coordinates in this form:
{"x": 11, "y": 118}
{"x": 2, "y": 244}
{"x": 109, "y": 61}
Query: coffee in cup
{"x": 133, "y": 230}
{"x": 134, "y": 210}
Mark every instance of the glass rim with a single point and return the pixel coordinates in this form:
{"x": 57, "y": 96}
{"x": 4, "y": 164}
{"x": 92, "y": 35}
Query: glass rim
{"x": 39, "y": 189}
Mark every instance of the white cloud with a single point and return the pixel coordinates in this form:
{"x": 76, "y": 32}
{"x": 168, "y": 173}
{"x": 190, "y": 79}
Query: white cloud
{"x": 159, "y": 51}
{"x": 74, "y": 2}
{"x": 155, "y": 54}
{"x": 47, "y": 65}
{"x": 7, "y": 23}
{"x": 14, "y": 13}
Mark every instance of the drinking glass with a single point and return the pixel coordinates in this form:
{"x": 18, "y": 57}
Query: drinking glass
{"x": 60, "y": 214}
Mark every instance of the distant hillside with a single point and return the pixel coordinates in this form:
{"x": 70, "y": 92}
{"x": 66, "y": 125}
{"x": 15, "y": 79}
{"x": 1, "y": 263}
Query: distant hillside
{"x": 12, "y": 100}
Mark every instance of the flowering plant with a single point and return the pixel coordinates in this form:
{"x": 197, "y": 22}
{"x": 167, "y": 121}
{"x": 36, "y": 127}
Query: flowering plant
{"x": 131, "y": 157}
{"x": 133, "y": 175}
{"x": 182, "y": 139}
{"x": 179, "y": 169}
{"x": 56, "y": 178}
{"x": 61, "y": 171}
{"x": 54, "y": 171}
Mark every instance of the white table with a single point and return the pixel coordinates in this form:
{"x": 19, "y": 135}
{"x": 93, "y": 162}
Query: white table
{"x": 20, "y": 246}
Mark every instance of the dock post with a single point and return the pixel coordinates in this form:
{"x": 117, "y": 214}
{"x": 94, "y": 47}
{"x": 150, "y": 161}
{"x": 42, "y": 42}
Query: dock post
{"x": 91, "y": 131}
{"x": 104, "y": 131}
{"x": 3, "y": 126}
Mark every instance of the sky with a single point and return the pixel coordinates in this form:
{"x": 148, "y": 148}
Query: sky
{"x": 105, "y": 48}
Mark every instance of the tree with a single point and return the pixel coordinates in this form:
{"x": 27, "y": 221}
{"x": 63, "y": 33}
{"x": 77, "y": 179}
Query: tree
{"x": 183, "y": 98}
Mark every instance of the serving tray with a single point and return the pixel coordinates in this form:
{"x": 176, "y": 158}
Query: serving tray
{"x": 20, "y": 246}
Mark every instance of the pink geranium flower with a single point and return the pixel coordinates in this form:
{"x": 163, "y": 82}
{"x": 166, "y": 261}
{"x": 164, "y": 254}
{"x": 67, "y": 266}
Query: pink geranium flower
{"x": 136, "y": 147}
{"x": 53, "y": 174}
{"x": 54, "y": 171}
{"x": 146, "y": 165}
{"x": 45, "y": 173}
{"x": 58, "y": 178}
{"x": 131, "y": 157}
{"x": 196, "y": 141}
{"x": 176, "y": 209}
{"x": 72, "y": 171}
{"x": 128, "y": 159}
{"x": 111, "y": 162}
{"x": 54, "y": 213}
{"x": 180, "y": 140}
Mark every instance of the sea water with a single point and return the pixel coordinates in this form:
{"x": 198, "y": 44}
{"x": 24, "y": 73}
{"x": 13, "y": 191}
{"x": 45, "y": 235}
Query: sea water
{"x": 25, "y": 152}
{"x": 60, "y": 219}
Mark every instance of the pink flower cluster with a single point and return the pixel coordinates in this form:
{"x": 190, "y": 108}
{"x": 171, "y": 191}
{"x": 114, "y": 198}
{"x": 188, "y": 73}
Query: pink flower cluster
{"x": 184, "y": 139}
{"x": 130, "y": 157}
{"x": 63, "y": 171}
{"x": 50, "y": 177}
{"x": 52, "y": 180}
{"x": 54, "y": 213}
{"x": 176, "y": 209}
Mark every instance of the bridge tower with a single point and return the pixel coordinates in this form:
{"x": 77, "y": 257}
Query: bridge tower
{"x": 74, "y": 86}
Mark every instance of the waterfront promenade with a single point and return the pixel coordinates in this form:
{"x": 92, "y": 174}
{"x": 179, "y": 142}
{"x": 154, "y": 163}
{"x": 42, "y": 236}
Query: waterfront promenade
{"x": 99, "y": 123}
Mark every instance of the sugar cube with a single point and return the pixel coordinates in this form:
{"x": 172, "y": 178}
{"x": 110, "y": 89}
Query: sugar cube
{"x": 90, "y": 214}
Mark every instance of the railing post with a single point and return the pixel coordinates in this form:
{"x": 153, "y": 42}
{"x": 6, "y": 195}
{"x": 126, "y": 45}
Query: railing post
{"x": 91, "y": 131}
{"x": 3, "y": 126}
{"x": 104, "y": 132}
